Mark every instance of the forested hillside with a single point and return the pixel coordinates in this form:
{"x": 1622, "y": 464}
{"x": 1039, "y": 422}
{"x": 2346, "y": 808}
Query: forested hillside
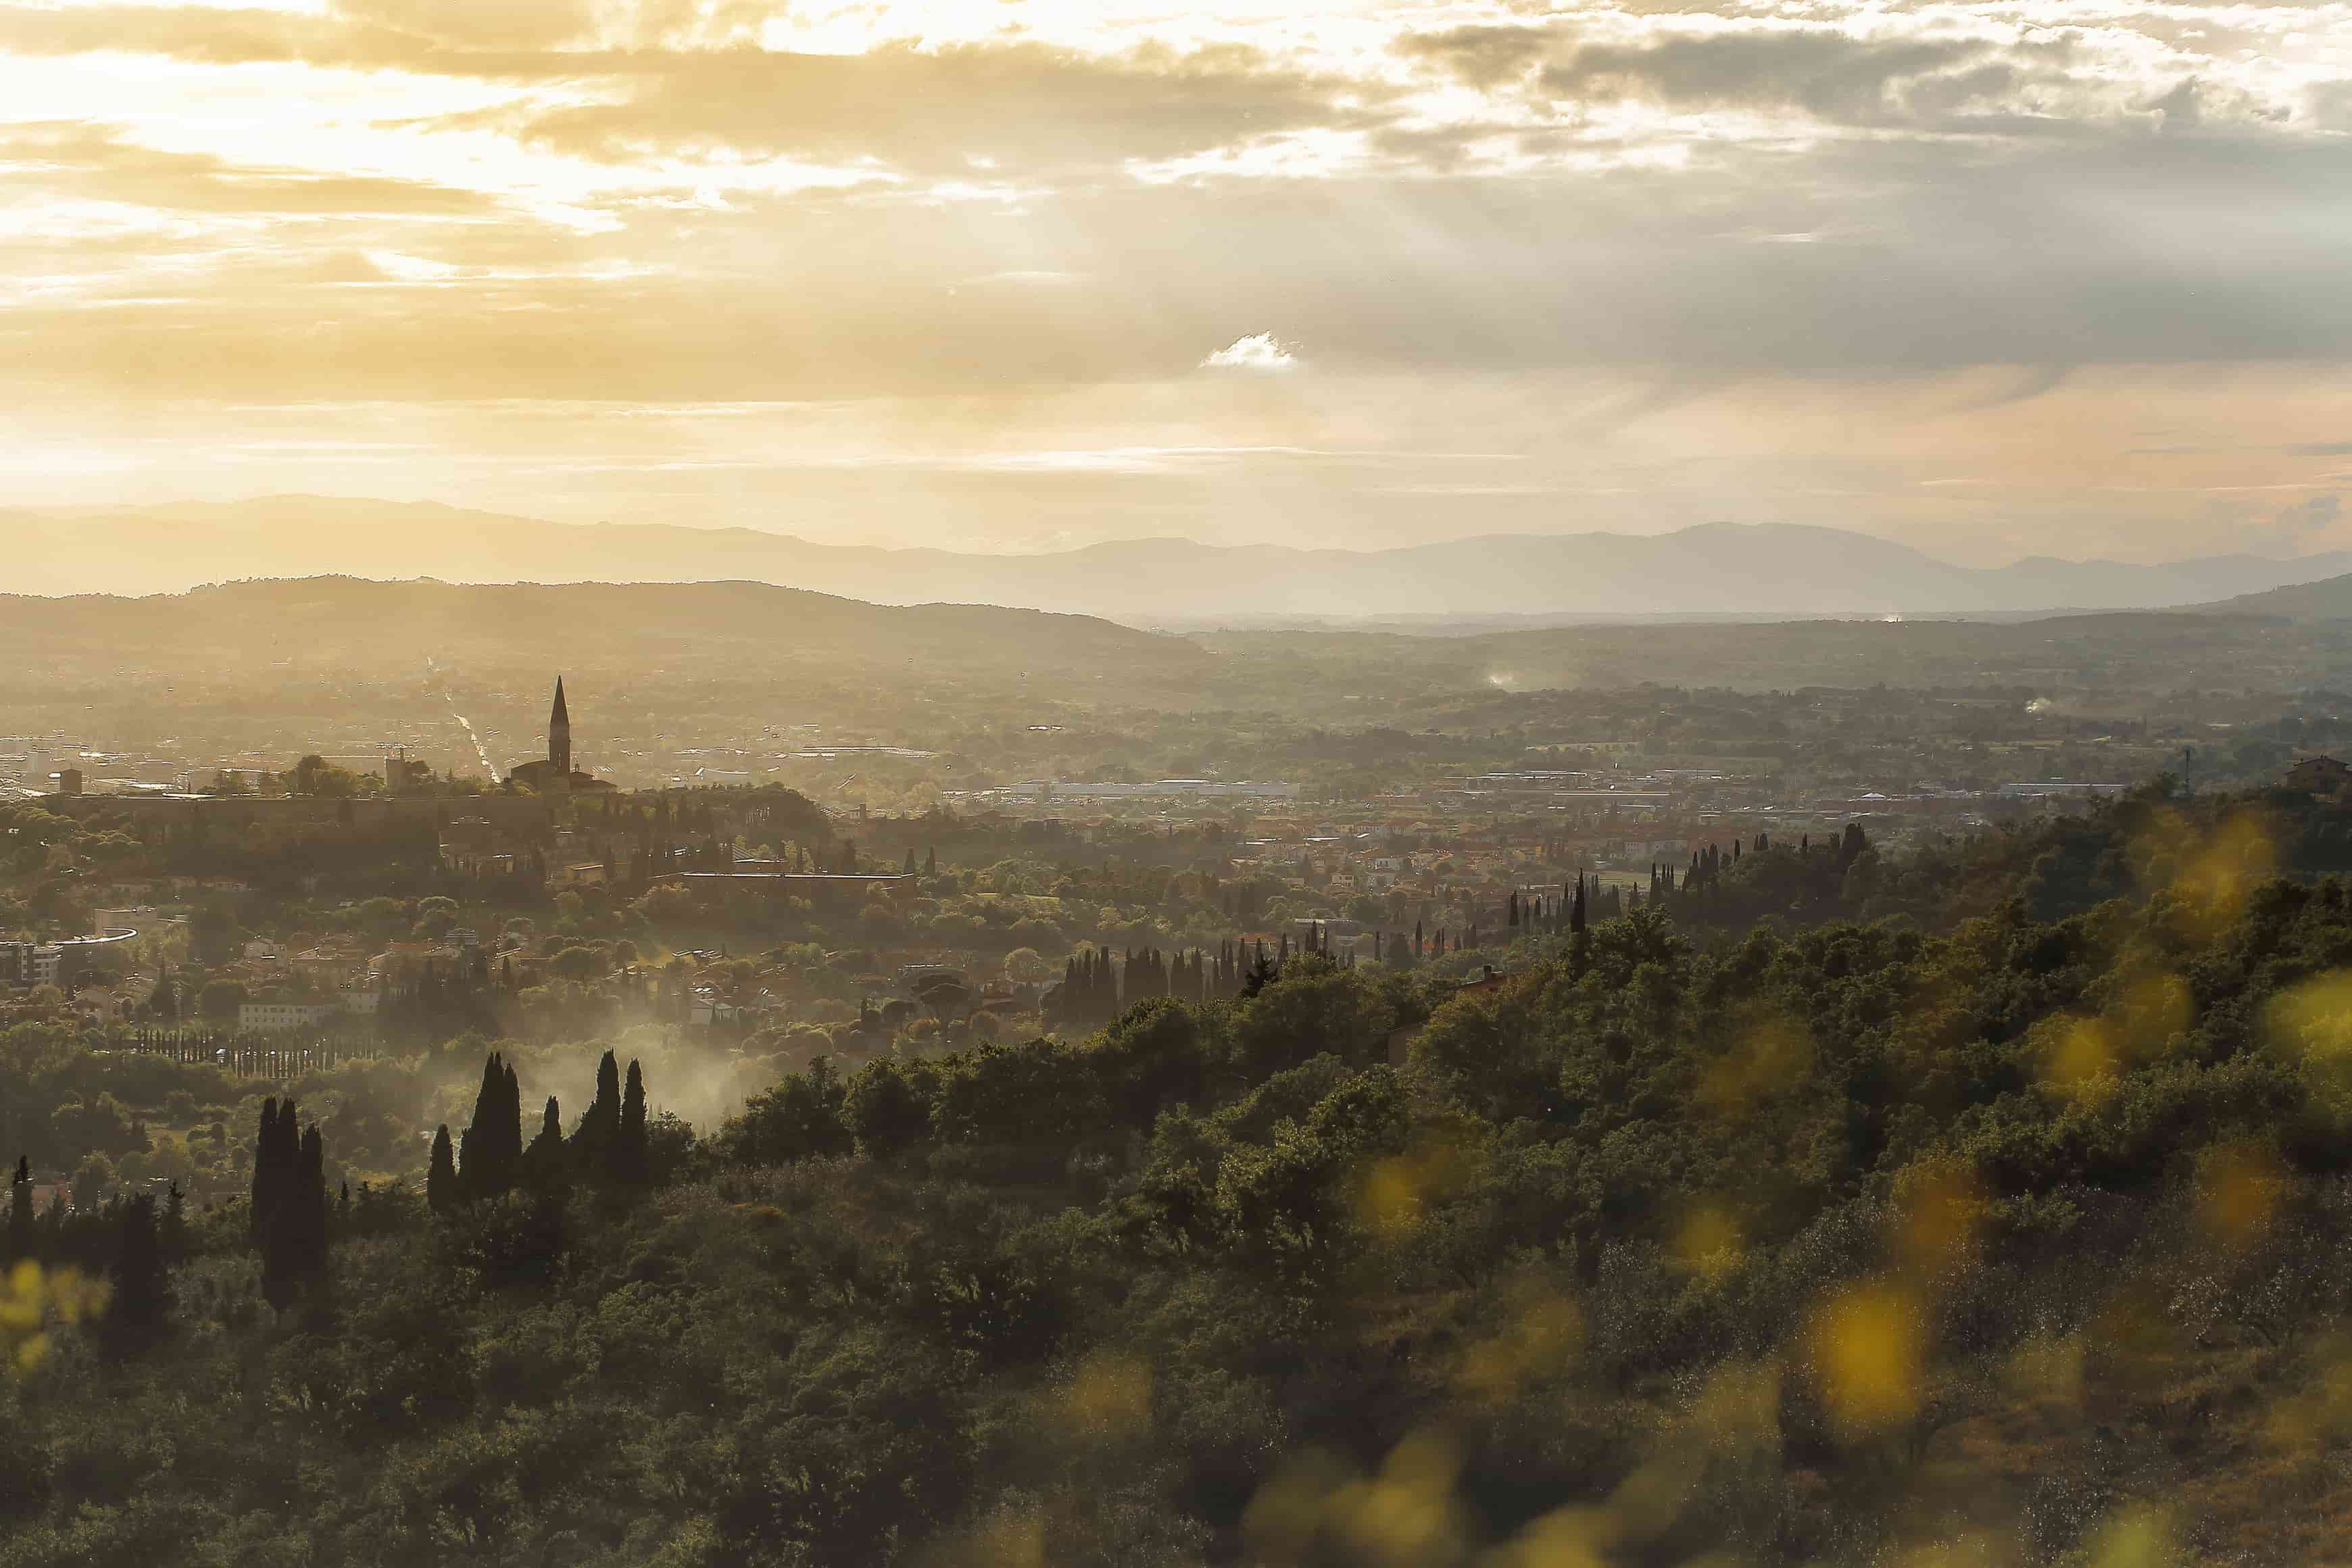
{"x": 340, "y": 622}
{"x": 2024, "y": 1236}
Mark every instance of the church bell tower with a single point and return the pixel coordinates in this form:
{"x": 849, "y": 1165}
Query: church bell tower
{"x": 559, "y": 734}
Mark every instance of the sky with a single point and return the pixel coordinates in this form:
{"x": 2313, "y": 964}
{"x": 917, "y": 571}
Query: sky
{"x": 2029, "y": 276}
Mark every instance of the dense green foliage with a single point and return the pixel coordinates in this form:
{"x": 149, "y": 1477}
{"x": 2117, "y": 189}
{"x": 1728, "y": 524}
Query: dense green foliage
{"x": 2030, "y": 1235}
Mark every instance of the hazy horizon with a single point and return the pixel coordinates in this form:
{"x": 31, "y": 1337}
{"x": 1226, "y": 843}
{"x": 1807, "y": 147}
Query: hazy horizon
{"x": 264, "y": 504}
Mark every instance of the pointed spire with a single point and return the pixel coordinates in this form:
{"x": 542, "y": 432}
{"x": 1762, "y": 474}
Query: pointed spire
{"x": 559, "y": 733}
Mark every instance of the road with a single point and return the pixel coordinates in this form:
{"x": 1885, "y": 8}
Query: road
{"x": 489, "y": 768}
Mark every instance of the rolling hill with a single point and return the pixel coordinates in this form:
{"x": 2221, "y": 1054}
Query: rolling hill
{"x": 751, "y": 628}
{"x": 2329, "y": 599}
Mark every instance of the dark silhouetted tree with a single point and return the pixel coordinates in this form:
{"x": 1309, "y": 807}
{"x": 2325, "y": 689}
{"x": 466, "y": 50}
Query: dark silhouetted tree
{"x": 276, "y": 1147}
{"x": 592, "y": 1141}
{"x": 172, "y": 1233}
{"x": 142, "y": 1297}
{"x": 628, "y": 1163}
{"x": 441, "y": 1173}
{"x": 545, "y": 1163}
{"x": 296, "y": 1246}
{"x": 20, "y": 1210}
{"x": 491, "y": 1150}
{"x": 886, "y": 1109}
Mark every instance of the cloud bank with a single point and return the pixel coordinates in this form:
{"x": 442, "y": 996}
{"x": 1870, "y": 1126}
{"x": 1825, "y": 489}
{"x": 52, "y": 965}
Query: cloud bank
{"x": 971, "y": 214}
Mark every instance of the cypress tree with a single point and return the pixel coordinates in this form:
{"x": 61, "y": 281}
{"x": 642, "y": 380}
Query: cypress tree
{"x": 307, "y": 1206}
{"x": 295, "y": 1247}
{"x": 20, "y": 1210}
{"x": 276, "y": 1149}
{"x": 278, "y": 1270}
{"x": 510, "y": 1125}
{"x": 630, "y": 1164}
{"x": 491, "y": 1146}
{"x": 473, "y": 1143}
{"x": 143, "y": 1288}
{"x": 441, "y": 1175}
{"x": 542, "y": 1162}
{"x": 172, "y": 1231}
{"x": 593, "y": 1141}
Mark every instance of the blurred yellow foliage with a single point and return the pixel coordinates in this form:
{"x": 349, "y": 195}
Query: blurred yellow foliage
{"x": 1406, "y": 1515}
{"x": 2312, "y": 1027}
{"x": 2080, "y": 1058}
{"x": 1772, "y": 1054}
{"x": 2314, "y": 1018}
{"x": 2213, "y": 873}
{"x": 2137, "y": 1537}
{"x": 1011, "y": 1536}
{"x": 1287, "y": 1516}
{"x": 1868, "y": 1352}
{"x": 37, "y": 1297}
{"x": 1940, "y": 1207}
{"x": 2239, "y": 1188}
{"x": 1708, "y": 1242}
{"x": 1391, "y": 1194}
{"x": 1108, "y": 1391}
{"x": 2151, "y": 1011}
{"x": 1539, "y": 1338}
{"x": 2321, "y": 1413}
{"x": 1567, "y": 1537}
{"x": 1740, "y": 1407}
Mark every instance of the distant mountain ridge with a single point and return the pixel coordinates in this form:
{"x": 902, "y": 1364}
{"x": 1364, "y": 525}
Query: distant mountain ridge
{"x": 1712, "y": 569}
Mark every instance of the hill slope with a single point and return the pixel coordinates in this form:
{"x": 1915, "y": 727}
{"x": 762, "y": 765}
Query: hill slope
{"x": 2327, "y": 600}
{"x": 751, "y": 628}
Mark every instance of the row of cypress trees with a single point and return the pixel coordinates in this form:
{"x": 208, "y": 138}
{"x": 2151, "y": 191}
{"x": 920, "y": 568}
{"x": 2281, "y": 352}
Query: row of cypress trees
{"x": 490, "y": 1158}
{"x": 1097, "y": 987}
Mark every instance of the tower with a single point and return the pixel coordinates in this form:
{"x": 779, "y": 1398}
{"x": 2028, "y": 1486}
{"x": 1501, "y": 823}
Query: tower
{"x": 558, "y": 735}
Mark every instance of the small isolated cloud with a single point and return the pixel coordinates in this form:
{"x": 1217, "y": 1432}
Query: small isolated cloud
{"x": 1259, "y": 351}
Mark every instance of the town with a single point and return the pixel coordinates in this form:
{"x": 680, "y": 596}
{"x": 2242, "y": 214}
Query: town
{"x": 322, "y": 909}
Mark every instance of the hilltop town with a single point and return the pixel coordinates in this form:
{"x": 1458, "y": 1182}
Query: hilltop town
{"x": 358, "y": 905}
